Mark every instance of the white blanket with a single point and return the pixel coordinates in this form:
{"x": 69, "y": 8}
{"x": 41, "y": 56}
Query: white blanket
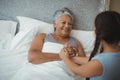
{"x": 16, "y": 67}
{"x": 11, "y": 61}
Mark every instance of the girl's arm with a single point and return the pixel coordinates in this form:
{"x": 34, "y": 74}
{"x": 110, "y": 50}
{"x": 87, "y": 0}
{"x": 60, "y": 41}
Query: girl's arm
{"x": 89, "y": 69}
{"x": 80, "y": 60}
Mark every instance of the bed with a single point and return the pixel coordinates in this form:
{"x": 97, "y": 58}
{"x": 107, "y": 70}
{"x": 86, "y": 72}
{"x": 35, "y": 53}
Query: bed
{"x": 22, "y": 20}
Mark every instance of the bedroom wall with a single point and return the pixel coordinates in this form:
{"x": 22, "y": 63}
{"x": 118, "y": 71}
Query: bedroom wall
{"x": 115, "y": 5}
{"x": 84, "y": 10}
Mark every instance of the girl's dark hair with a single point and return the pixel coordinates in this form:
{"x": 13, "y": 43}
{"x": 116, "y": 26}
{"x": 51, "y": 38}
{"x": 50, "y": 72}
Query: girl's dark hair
{"x": 107, "y": 28}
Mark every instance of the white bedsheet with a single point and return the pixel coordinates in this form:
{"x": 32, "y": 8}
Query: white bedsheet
{"x": 14, "y": 66}
{"x": 11, "y": 61}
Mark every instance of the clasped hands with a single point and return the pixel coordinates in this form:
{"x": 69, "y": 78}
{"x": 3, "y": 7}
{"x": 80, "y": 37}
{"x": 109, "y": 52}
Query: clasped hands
{"x": 68, "y": 52}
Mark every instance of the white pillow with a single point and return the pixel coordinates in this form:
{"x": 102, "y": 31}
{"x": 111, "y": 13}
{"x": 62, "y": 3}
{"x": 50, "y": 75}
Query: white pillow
{"x": 86, "y": 38}
{"x": 5, "y": 40}
{"x": 24, "y": 38}
{"x": 8, "y": 26}
{"x": 29, "y": 27}
{"x": 27, "y": 22}
{"x": 7, "y": 32}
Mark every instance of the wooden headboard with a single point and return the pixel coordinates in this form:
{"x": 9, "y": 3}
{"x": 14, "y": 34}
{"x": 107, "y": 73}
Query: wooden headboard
{"x": 84, "y": 10}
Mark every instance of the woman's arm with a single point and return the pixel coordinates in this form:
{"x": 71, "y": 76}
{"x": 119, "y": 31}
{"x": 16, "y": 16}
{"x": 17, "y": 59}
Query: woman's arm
{"x": 89, "y": 69}
{"x": 80, "y": 49}
{"x": 36, "y": 56}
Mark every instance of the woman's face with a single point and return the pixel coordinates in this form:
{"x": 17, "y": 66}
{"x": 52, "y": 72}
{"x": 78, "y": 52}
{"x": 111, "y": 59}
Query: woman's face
{"x": 63, "y": 25}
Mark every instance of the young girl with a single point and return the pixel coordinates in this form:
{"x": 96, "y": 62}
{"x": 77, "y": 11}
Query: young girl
{"x": 104, "y": 62}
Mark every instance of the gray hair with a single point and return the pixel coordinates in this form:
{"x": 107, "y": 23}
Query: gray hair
{"x": 64, "y": 11}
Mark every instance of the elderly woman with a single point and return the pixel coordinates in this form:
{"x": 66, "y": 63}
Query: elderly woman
{"x": 44, "y": 60}
{"x": 63, "y": 23}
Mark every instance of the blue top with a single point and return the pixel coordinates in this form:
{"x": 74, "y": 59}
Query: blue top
{"x": 111, "y": 64}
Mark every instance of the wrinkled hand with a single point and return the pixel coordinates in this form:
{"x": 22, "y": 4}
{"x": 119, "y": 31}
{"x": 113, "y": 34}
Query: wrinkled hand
{"x": 68, "y": 52}
{"x": 71, "y": 50}
{"x": 64, "y": 54}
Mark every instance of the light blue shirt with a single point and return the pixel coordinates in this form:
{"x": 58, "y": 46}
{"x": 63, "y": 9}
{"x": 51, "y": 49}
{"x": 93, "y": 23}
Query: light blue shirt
{"x": 111, "y": 66}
